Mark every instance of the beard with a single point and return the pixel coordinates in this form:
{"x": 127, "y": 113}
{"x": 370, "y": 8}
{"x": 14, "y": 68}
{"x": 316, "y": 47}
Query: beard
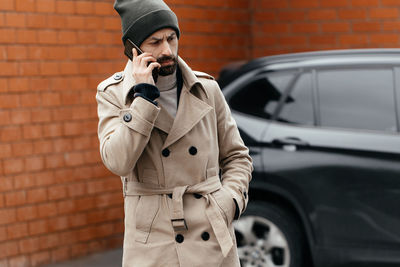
{"x": 169, "y": 69}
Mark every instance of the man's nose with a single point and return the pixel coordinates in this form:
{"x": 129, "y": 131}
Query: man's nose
{"x": 166, "y": 49}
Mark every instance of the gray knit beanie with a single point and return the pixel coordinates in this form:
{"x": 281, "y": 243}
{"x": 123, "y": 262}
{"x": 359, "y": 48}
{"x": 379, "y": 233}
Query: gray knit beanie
{"x": 142, "y": 18}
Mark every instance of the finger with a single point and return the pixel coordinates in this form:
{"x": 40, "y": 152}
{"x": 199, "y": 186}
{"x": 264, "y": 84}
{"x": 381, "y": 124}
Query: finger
{"x": 154, "y": 65}
{"x": 145, "y": 61}
{"x": 134, "y": 52}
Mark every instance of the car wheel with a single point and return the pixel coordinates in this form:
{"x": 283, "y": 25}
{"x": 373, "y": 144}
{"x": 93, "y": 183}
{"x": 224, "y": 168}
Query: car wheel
{"x": 268, "y": 236}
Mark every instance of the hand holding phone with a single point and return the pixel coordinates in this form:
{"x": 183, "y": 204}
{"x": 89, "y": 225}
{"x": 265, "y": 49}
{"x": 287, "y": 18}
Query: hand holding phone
{"x": 129, "y": 48}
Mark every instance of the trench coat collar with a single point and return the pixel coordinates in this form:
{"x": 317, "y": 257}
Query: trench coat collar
{"x": 191, "y": 108}
{"x": 189, "y": 78}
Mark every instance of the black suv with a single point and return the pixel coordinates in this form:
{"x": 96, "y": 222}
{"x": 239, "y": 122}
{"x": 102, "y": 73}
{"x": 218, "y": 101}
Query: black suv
{"x": 323, "y": 132}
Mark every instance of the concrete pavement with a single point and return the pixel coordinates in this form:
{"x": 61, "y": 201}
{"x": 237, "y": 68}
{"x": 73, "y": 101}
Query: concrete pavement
{"x": 111, "y": 258}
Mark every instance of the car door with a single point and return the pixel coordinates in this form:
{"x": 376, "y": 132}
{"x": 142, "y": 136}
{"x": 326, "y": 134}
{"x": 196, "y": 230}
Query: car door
{"x": 335, "y": 143}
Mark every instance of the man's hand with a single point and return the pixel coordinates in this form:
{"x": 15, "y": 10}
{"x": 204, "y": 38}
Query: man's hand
{"x": 142, "y": 67}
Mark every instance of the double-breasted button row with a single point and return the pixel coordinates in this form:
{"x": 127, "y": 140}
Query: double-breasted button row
{"x": 166, "y": 151}
{"x": 179, "y": 238}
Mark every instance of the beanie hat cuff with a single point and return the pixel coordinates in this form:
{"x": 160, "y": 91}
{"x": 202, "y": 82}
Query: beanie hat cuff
{"x": 149, "y": 24}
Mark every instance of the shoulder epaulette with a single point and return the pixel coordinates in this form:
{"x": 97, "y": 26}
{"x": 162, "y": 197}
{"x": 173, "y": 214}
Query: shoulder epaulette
{"x": 200, "y": 74}
{"x": 116, "y": 78}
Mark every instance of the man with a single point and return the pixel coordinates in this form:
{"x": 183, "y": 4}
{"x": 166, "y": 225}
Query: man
{"x": 169, "y": 140}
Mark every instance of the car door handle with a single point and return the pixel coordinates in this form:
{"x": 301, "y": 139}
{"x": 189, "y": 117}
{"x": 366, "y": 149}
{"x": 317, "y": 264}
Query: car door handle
{"x": 289, "y": 141}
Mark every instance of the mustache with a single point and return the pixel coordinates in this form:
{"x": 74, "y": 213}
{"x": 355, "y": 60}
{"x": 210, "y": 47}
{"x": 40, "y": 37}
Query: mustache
{"x": 165, "y": 59}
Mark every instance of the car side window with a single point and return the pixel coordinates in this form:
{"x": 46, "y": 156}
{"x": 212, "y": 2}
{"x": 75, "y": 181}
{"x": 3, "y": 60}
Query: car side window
{"x": 357, "y": 99}
{"x": 261, "y": 96}
{"x": 298, "y": 107}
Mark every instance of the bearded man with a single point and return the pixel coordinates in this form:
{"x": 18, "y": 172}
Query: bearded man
{"x": 184, "y": 168}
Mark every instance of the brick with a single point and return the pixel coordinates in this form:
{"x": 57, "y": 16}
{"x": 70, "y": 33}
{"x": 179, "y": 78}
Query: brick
{"x": 83, "y": 7}
{"x": 58, "y": 223}
{"x": 57, "y": 192}
{"x": 353, "y": 39}
{"x": 42, "y": 146}
{"x": 292, "y": 15}
{"x": 34, "y": 163}
{"x": 20, "y": 116}
{"x": 46, "y": 6}
{"x": 352, "y": 14}
{"x": 29, "y": 69}
{"x": 65, "y": 7}
{"x": 9, "y": 248}
{"x": 57, "y": 21}
{"x": 29, "y": 100}
{"x": 19, "y": 84}
{"x": 42, "y": 115}
{"x": 49, "y": 241}
{"x": 54, "y": 161}
{"x": 9, "y": 69}
{"x": 7, "y": 216}
{"x": 335, "y": 27}
{"x": 15, "y": 198}
{"x": 390, "y": 3}
{"x": 26, "y": 36}
{"x": 40, "y": 258}
{"x": 47, "y": 210}
{"x": 25, "y": 5}
{"x": 12, "y": 166}
{"x": 15, "y": 20}
{"x": 32, "y": 131}
{"x": 40, "y": 84}
{"x": 93, "y": 23}
{"x": 20, "y": 261}
{"x": 6, "y": 184}
{"x": 365, "y": 3}
{"x": 15, "y": 231}
{"x": 65, "y": 207}
{"x": 67, "y": 37}
{"x": 47, "y": 37}
{"x": 384, "y": 13}
{"x": 384, "y": 39}
{"x": 7, "y": 35}
{"x": 36, "y": 21}
{"x": 36, "y": 195}
{"x": 24, "y": 180}
{"x": 49, "y": 68}
{"x": 3, "y": 233}
{"x": 76, "y": 189}
{"x": 323, "y": 40}
{"x": 266, "y": 4}
{"x": 305, "y": 3}
{"x": 22, "y": 149}
{"x": 17, "y": 52}
{"x": 5, "y": 149}
{"x": 103, "y": 8}
{"x": 60, "y": 254}
{"x": 7, "y": 5}
{"x": 29, "y": 245}
{"x": 305, "y": 27}
{"x": 391, "y": 25}
{"x": 336, "y": 3}
{"x": 322, "y": 14}
{"x": 366, "y": 26}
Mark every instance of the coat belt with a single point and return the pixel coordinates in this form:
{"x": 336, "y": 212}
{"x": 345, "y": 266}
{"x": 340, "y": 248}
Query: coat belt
{"x": 205, "y": 188}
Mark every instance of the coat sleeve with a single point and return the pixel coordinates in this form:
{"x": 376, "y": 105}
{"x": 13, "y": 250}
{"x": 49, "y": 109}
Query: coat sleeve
{"x": 234, "y": 159}
{"x": 123, "y": 132}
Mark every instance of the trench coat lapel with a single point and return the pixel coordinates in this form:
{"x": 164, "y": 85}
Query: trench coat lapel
{"x": 164, "y": 120}
{"x": 191, "y": 108}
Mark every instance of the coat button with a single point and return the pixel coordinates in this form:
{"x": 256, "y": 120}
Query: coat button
{"x": 117, "y": 76}
{"x": 165, "y": 152}
{"x": 197, "y": 195}
{"x": 179, "y": 238}
{"x": 127, "y": 117}
{"x": 205, "y": 236}
{"x": 193, "y": 150}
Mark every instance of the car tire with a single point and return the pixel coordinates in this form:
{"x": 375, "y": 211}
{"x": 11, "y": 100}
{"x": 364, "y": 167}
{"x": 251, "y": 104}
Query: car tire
{"x": 269, "y": 236}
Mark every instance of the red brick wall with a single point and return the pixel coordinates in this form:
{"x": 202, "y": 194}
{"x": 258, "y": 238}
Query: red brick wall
{"x": 57, "y": 201}
{"x": 302, "y": 25}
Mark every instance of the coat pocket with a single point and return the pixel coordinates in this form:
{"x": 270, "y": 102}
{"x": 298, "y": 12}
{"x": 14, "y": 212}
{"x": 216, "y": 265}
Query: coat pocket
{"x": 226, "y": 204}
{"x": 146, "y": 212}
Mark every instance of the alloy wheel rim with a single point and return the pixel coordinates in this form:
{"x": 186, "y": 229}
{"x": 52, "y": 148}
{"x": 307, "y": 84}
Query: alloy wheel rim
{"x": 261, "y": 243}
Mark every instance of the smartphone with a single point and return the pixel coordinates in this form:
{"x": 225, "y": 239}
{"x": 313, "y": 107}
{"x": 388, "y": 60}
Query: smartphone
{"x": 129, "y": 45}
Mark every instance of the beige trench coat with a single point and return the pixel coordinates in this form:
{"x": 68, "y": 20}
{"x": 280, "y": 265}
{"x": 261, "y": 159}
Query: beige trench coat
{"x": 178, "y": 210}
